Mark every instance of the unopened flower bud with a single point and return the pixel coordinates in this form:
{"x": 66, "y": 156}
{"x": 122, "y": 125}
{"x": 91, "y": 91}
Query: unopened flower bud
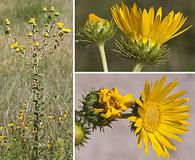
{"x": 52, "y": 9}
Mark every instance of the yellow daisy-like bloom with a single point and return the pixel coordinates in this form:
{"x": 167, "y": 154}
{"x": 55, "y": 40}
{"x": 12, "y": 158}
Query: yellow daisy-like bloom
{"x": 60, "y": 25}
{"x": 160, "y": 117}
{"x": 32, "y": 21}
{"x": 14, "y": 45}
{"x": 113, "y": 103}
{"x": 93, "y": 19}
{"x": 146, "y": 26}
{"x": 7, "y": 22}
{"x": 66, "y": 30}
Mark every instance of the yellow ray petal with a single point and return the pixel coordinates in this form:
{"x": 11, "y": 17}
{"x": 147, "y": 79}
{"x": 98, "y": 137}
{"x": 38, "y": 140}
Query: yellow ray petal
{"x": 170, "y": 135}
{"x": 164, "y": 141}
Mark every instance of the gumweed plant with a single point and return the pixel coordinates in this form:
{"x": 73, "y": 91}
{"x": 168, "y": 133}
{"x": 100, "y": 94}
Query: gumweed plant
{"x": 144, "y": 34}
{"x": 28, "y": 132}
{"x": 156, "y": 118}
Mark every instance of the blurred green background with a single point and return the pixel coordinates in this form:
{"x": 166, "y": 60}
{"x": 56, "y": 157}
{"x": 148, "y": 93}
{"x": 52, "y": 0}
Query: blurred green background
{"x": 182, "y": 47}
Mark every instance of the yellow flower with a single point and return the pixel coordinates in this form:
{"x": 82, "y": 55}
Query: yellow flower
{"x": 26, "y": 126}
{"x": 2, "y": 137}
{"x": 14, "y": 45}
{"x": 1, "y": 127}
{"x": 52, "y": 9}
{"x": 36, "y": 44}
{"x": 44, "y": 9}
{"x": 93, "y": 19}
{"x": 32, "y": 21}
{"x": 50, "y": 116}
{"x": 7, "y": 22}
{"x": 60, "y": 25}
{"x": 160, "y": 117}
{"x": 10, "y": 124}
{"x": 66, "y": 30}
{"x": 29, "y": 34}
{"x": 148, "y": 27}
{"x": 113, "y": 103}
{"x": 57, "y": 14}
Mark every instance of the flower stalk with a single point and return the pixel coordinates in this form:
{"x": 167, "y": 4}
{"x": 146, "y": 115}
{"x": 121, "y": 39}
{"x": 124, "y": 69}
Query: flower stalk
{"x": 103, "y": 56}
{"x": 138, "y": 67}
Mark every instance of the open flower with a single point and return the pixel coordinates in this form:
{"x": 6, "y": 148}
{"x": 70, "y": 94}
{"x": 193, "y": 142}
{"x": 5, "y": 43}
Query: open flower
{"x": 14, "y": 45}
{"x": 66, "y": 30}
{"x": 32, "y": 21}
{"x": 60, "y": 25}
{"x": 159, "y": 117}
{"x": 112, "y": 103}
{"x": 146, "y": 32}
{"x": 148, "y": 27}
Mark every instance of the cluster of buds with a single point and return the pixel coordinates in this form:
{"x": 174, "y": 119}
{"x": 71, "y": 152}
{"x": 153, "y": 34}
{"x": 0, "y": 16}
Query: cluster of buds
{"x": 7, "y": 26}
{"x": 61, "y": 117}
{"x": 17, "y": 47}
{"x": 51, "y": 10}
{"x": 62, "y": 29}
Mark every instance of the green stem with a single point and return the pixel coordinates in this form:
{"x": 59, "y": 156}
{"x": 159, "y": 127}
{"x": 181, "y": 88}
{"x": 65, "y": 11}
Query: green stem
{"x": 138, "y": 67}
{"x": 103, "y": 56}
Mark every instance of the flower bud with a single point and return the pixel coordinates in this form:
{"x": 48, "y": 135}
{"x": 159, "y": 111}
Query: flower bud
{"x": 29, "y": 34}
{"x": 7, "y": 22}
{"x": 46, "y": 35}
{"x": 52, "y": 9}
{"x": 44, "y": 9}
{"x": 96, "y": 30}
{"x": 57, "y": 14}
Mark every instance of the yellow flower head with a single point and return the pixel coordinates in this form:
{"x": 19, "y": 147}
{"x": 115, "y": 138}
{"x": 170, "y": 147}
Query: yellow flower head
{"x": 160, "y": 117}
{"x": 50, "y": 116}
{"x": 36, "y": 44}
{"x": 7, "y": 22}
{"x": 66, "y": 30}
{"x": 93, "y": 19}
{"x": 113, "y": 103}
{"x": 22, "y": 48}
{"x": 60, "y": 25}
{"x": 32, "y": 21}
{"x": 10, "y": 124}
{"x": 52, "y": 9}
{"x": 44, "y": 9}
{"x": 14, "y": 45}
{"x": 146, "y": 26}
{"x": 1, "y": 127}
{"x": 29, "y": 34}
